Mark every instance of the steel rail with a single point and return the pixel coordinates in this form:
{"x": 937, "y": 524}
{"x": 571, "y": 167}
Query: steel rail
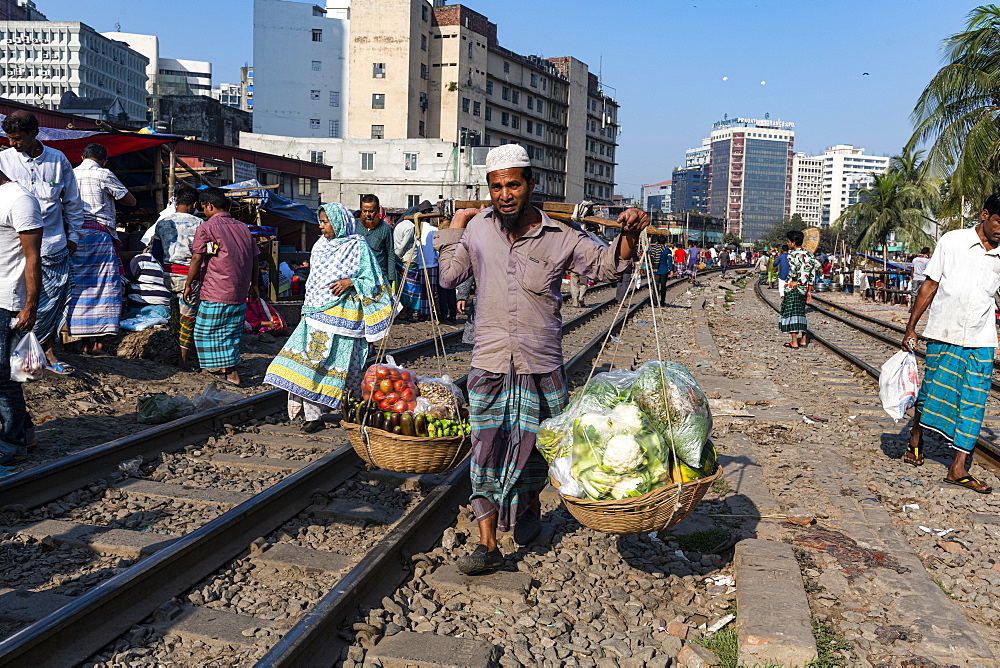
{"x": 80, "y": 628}
{"x": 315, "y": 640}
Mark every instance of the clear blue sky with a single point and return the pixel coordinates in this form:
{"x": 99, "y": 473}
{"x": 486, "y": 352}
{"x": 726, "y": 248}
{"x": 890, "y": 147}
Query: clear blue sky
{"x": 666, "y": 60}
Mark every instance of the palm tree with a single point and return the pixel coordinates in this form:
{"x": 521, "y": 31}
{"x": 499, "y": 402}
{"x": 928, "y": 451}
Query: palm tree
{"x": 913, "y": 168}
{"x": 884, "y": 207}
{"x": 959, "y": 111}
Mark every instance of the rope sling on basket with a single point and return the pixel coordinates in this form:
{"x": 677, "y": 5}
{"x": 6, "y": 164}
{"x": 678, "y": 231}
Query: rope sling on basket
{"x": 649, "y": 476}
{"x": 405, "y": 453}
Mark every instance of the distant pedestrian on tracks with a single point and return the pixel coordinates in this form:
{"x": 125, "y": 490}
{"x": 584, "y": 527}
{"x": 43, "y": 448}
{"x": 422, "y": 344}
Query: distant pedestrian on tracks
{"x": 802, "y": 268}
{"x": 960, "y": 281}
{"x": 680, "y": 258}
{"x": 664, "y": 268}
{"x": 693, "y": 256}
{"x": 518, "y": 256}
{"x": 378, "y": 234}
{"x": 917, "y": 275}
{"x": 225, "y": 250}
{"x": 760, "y": 266}
{"x": 724, "y": 260}
{"x": 783, "y": 269}
{"x": 348, "y": 304}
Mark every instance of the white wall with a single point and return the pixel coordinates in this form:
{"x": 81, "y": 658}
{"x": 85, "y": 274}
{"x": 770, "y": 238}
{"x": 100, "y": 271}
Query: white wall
{"x": 283, "y": 69}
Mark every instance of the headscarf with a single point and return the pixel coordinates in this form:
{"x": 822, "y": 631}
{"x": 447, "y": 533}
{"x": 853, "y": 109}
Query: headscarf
{"x": 365, "y": 310}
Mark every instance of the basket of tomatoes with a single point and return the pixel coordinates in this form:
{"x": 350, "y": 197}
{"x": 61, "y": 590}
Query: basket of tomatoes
{"x": 388, "y": 431}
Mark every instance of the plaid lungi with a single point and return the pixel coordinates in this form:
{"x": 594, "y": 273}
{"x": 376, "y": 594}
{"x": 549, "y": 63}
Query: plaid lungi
{"x": 217, "y": 333}
{"x": 793, "y": 312}
{"x": 416, "y": 294}
{"x": 952, "y": 398}
{"x": 95, "y": 306}
{"x": 505, "y": 411}
{"x": 185, "y": 313}
{"x": 57, "y": 282}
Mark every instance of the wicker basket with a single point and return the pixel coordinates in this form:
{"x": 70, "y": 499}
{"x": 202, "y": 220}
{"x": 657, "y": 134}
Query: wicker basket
{"x": 407, "y": 454}
{"x": 652, "y": 511}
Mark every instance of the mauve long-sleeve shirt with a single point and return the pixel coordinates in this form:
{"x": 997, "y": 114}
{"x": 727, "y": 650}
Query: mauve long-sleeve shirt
{"x": 518, "y": 286}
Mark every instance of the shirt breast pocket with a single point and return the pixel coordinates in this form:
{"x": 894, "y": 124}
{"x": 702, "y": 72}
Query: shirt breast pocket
{"x": 45, "y": 192}
{"x": 537, "y": 275}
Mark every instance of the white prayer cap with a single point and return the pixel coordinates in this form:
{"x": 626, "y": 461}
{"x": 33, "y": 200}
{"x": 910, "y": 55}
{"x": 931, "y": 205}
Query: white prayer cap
{"x": 507, "y": 156}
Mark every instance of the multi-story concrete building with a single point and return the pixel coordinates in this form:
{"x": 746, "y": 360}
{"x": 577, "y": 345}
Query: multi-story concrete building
{"x": 419, "y": 69}
{"x": 699, "y": 156}
{"x": 19, "y": 10}
{"x": 402, "y": 172}
{"x": 846, "y": 170}
{"x": 807, "y": 189}
{"x": 167, "y": 76}
{"x": 301, "y": 53}
{"x": 657, "y": 197}
{"x": 750, "y": 181}
{"x": 246, "y": 88}
{"x": 229, "y": 95}
{"x": 42, "y": 60}
{"x": 690, "y": 191}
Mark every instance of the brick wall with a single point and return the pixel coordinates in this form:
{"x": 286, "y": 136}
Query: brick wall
{"x": 459, "y": 15}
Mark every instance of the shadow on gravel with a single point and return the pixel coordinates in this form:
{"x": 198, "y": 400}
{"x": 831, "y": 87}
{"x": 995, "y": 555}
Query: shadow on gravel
{"x": 893, "y": 446}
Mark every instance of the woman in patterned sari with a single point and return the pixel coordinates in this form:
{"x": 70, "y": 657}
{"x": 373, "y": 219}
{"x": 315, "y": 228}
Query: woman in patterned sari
{"x": 347, "y": 305}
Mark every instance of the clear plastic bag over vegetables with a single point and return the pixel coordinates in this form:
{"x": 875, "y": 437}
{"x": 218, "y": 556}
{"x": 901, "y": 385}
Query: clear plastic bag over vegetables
{"x": 628, "y": 432}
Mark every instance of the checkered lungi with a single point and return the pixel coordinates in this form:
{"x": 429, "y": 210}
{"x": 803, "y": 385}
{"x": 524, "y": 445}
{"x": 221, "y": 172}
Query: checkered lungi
{"x": 505, "y": 411}
{"x": 217, "y": 334}
{"x": 952, "y": 398}
{"x": 57, "y": 284}
{"x": 793, "y": 312}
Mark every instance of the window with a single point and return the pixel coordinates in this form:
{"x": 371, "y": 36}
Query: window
{"x": 505, "y": 93}
{"x": 465, "y": 104}
{"x": 378, "y": 70}
{"x": 316, "y": 156}
{"x": 530, "y": 127}
{"x": 534, "y": 81}
{"x": 378, "y": 132}
{"x": 531, "y": 103}
{"x": 412, "y": 200}
{"x": 489, "y": 87}
{"x": 317, "y": 35}
{"x": 423, "y": 102}
{"x": 423, "y": 42}
{"x": 470, "y": 49}
{"x": 317, "y": 65}
{"x": 305, "y": 187}
{"x": 504, "y": 118}
{"x": 335, "y": 129}
{"x": 314, "y": 124}
{"x": 424, "y": 15}
{"x": 424, "y": 73}
{"x": 538, "y": 129}
{"x": 378, "y": 100}
{"x": 489, "y": 113}
{"x": 515, "y": 122}
{"x": 367, "y": 162}
{"x": 410, "y": 162}
{"x": 314, "y": 94}
{"x": 334, "y": 98}
{"x": 476, "y": 109}
{"x": 506, "y": 67}
{"x": 516, "y": 98}
{"x": 421, "y": 128}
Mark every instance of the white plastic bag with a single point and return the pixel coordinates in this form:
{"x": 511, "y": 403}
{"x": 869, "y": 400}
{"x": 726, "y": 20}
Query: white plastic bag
{"x": 27, "y": 360}
{"x": 212, "y": 396}
{"x": 899, "y": 383}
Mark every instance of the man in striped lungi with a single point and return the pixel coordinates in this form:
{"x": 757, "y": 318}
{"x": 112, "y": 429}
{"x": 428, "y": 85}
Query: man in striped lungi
{"x": 518, "y": 256}
{"x": 960, "y": 282}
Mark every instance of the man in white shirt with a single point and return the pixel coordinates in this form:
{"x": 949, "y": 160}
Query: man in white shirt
{"x": 20, "y": 284}
{"x": 413, "y": 294}
{"x": 47, "y": 174}
{"x": 917, "y": 275}
{"x": 961, "y": 279}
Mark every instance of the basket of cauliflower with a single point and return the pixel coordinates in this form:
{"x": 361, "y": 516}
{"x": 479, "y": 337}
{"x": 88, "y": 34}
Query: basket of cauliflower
{"x": 631, "y": 453}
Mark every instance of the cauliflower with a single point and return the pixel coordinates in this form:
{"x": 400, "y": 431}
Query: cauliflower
{"x": 627, "y": 418}
{"x": 622, "y": 454}
{"x": 628, "y": 486}
{"x": 601, "y": 423}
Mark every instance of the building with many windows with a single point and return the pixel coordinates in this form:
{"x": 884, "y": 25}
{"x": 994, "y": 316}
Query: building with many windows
{"x": 246, "y": 88}
{"x": 20, "y": 10}
{"x": 690, "y": 190}
{"x": 167, "y": 76}
{"x": 750, "y": 181}
{"x": 657, "y": 197}
{"x": 40, "y": 61}
{"x": 698, "y": 156}
{"x": 846, "y": 170}
{"x": 807, "y": 189}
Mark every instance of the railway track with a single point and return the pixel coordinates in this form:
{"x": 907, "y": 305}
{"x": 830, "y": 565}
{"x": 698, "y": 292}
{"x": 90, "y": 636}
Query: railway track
{"x": 836, "y": 327}
{"x": 224, "y": 480}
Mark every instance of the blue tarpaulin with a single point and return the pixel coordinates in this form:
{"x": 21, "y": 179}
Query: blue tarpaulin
{"x": 276, "y": 204}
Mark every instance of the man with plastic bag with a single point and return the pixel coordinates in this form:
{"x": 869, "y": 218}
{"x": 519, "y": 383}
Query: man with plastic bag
{"x": 21, "y": 229}
{"x": 518, "y": 256}
{"x": 960, "y": 281}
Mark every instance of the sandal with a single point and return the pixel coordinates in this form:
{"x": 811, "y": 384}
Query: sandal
{"x": 971, "y": 482}
{"x": 913, "y": 456}
{"x": 788, "y": 345}
{"x": 61, "y": 368}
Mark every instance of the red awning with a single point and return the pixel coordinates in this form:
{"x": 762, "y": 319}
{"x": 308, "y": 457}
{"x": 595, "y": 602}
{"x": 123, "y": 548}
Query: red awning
{"x": 116, "y": 144}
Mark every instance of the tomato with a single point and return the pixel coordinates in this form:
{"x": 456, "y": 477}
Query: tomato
{"x": 399, "y": 385}
{"x": 399, "y": 407}
{"x": 366, "y": 386}
{"x": 392, "y": 397}
{"x": 381, "y": 372}
{"x": 385, "y": 405}
{"x": 411, "y": 405}
{"x": 395, "y": 374}
{"x": 406, "y": 375}
{"x": 385, "y": 386}
{"x": 406, "y": 395}
{"x": 378, "y": 395}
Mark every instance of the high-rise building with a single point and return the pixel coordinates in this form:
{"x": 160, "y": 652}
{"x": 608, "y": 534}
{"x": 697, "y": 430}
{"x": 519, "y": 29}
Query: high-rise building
{"x": 246, "y": 88}
{"x": 690, "y": 191}
{"x": 20, "y": 10}
{"x": 750, "y": 178}
{"x": 807, "y": 189}
{"x": 657, "y": 197}
{"x": 698, "y": 156}
{"x": 846, "y": 170}
{"x": 411, "y": 69}
{"x": 168, "y": 76}
{"x": 70, "y": 57}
